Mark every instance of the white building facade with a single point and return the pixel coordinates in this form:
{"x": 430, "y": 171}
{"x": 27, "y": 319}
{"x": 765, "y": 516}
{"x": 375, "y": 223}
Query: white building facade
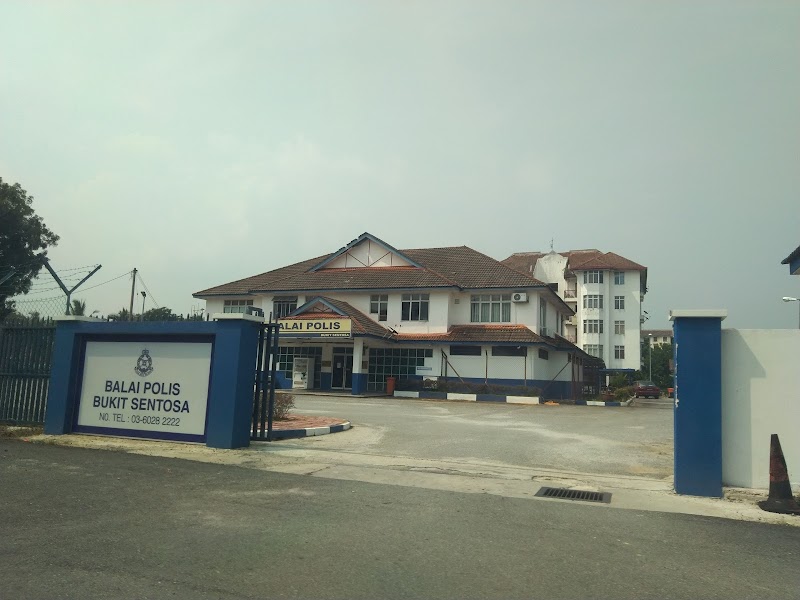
{"x": 606, "y": 292}
{"x": 434, "y": 313}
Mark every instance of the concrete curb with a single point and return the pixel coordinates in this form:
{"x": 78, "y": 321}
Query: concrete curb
{"x": 495, "y": 398}
{"x": 469, "y": 397}
{"x": 287, "y": 434}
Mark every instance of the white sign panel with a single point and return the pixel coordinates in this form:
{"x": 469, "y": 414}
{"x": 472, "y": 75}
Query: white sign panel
{"x": 158, "y": 388}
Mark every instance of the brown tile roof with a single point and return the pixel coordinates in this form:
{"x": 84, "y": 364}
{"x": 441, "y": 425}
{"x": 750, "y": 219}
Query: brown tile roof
{"x": 583, "y": 261}
{"x": 244, "y": 286}
{"x": 477, "y": 333}
{"x": 457, "y": 267}
{"x": 577, "y": 260}
{"x": 524, "y": 262}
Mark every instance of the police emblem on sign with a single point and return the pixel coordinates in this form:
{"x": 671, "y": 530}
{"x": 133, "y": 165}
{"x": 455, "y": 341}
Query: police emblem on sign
{"x": 144, "y": 364}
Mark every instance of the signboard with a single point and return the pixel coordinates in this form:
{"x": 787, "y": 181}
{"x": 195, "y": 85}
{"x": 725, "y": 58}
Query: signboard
{"x": 157, "y": 390}
{"x": 316, "y": 328}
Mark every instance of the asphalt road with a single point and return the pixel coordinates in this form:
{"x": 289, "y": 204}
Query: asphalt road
{"x": 97, "y": 524}
{"x": 615, "y": 441}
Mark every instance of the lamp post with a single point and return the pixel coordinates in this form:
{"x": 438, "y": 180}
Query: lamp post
{"x": 790, "y": 299}
{"x": 144, "y": 296}
{"x": 650, "y": 353}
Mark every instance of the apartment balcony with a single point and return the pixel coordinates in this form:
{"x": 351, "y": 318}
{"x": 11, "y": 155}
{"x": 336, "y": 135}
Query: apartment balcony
{"x": 571, "y": 337}
{"x": 570, "y": 294}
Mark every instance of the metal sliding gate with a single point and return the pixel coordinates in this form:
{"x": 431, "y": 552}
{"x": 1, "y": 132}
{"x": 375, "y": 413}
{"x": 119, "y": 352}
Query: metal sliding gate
{"x": 26, "y": 350}
{"x": 264, "y": 388}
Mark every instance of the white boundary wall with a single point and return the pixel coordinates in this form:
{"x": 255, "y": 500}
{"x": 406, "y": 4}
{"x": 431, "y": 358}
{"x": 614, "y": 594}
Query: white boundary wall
{"x": 760, "y": 396}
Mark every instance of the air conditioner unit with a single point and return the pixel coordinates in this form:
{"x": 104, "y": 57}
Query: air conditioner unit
{"x": 519, "y": 297}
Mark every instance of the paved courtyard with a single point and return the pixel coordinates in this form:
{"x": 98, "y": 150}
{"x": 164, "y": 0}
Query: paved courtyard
{"x": 613, "y": 441}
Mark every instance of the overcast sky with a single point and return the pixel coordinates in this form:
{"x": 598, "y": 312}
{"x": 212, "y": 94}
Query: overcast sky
{"x": 202, "y": 142}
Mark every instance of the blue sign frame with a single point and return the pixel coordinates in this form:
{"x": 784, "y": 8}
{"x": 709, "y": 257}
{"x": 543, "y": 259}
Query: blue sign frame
{"x": 230, "y": 387}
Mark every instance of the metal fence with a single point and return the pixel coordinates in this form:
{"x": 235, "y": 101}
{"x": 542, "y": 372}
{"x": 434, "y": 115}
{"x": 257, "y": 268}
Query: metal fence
{"x": 26, "y": 350}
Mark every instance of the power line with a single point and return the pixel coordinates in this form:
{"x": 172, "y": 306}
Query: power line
{"x": 149, "y": 293}
{"x": 105, "y": 282}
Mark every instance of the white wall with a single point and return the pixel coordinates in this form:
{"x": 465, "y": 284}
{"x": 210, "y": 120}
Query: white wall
{"x": 512, "y": 367}
{"x": 760, "y": 396}
{"x": 630, "y": 290}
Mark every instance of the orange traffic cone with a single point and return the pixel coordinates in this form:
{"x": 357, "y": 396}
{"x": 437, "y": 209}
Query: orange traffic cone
{"x": 780, "y": 490}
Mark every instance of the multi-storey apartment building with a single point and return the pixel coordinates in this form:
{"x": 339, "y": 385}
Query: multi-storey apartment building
{"x": 604, "y": 289}
{"x": 369, "y": 311}
{"x": 656, "y": 337}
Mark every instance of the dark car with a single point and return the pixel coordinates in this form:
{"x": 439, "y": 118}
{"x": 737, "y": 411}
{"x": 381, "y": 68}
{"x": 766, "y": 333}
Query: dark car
{"x": 646, "y": 389}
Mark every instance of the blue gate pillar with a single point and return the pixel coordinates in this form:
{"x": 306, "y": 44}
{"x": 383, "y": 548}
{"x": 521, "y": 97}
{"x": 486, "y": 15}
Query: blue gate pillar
{"x": 698, "y": 401}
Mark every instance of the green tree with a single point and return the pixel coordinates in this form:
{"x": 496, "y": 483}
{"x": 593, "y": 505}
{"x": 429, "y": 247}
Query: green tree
{"x": 661, "y": 357}
{"x": 159, "y": 314}
{"x": 122, "y": 315}
{"x": 78, "y": 308}
{"x": 24, "y": 240}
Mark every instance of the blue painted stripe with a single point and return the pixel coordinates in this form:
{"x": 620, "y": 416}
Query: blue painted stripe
{"x": 489, "y": 398}
{"x": 433, "y": 395}
{"x": 337, "y": 428}
{"x": 284, "y": 434}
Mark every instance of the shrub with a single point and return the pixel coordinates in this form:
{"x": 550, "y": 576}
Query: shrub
{"x": 620, "y": 380}
{"x": 284, "y": 402}
{"x": 624, "y": 393}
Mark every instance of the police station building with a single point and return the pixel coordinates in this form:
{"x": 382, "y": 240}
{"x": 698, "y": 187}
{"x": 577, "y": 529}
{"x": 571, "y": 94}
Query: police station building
{"x": 353, "y": 318}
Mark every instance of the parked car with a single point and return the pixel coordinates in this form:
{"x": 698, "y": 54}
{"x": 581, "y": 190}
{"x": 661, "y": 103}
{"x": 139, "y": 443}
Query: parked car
{"x": 646, "y": 389}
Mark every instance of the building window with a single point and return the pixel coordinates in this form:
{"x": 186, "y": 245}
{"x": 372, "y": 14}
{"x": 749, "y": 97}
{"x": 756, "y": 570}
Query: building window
{"x": 594, "y": 350}
{"x": 666, "y": 339}
{"x": 490, "y": 308}
{"x": 593, "y": 301}
{"x": 509, "y": 351}
{"x": 619, "y": 278}
{"x": 414, "y": 307}
{"x": 394, "y": 362}
{"x": 619, "y": 302}
{"x": 544, "y": 354}
{"x": 619, "y": 327}
{"x": 592, "y": 277}
{"x": 593, "y": 326}
{"x": 543, "y": 317}
{"x": 378, "y": 305}
{"x": 465, "y": 350}
{"x": 619, "y": 352}
{"x": 283, "y": 305}
{"x": 236, "y": 306}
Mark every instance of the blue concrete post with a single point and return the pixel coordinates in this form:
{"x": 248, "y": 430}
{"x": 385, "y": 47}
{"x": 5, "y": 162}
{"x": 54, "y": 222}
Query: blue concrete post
{"x": 61, "y": 392}
{"x": 698, "y": 401}
{"x": 230, "y": 399}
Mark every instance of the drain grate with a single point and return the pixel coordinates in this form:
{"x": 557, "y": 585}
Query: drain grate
{"x": 582, "y": 495}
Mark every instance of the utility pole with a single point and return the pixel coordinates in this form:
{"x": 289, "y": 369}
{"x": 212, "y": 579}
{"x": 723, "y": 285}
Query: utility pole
{"x": 133, "y": 292}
